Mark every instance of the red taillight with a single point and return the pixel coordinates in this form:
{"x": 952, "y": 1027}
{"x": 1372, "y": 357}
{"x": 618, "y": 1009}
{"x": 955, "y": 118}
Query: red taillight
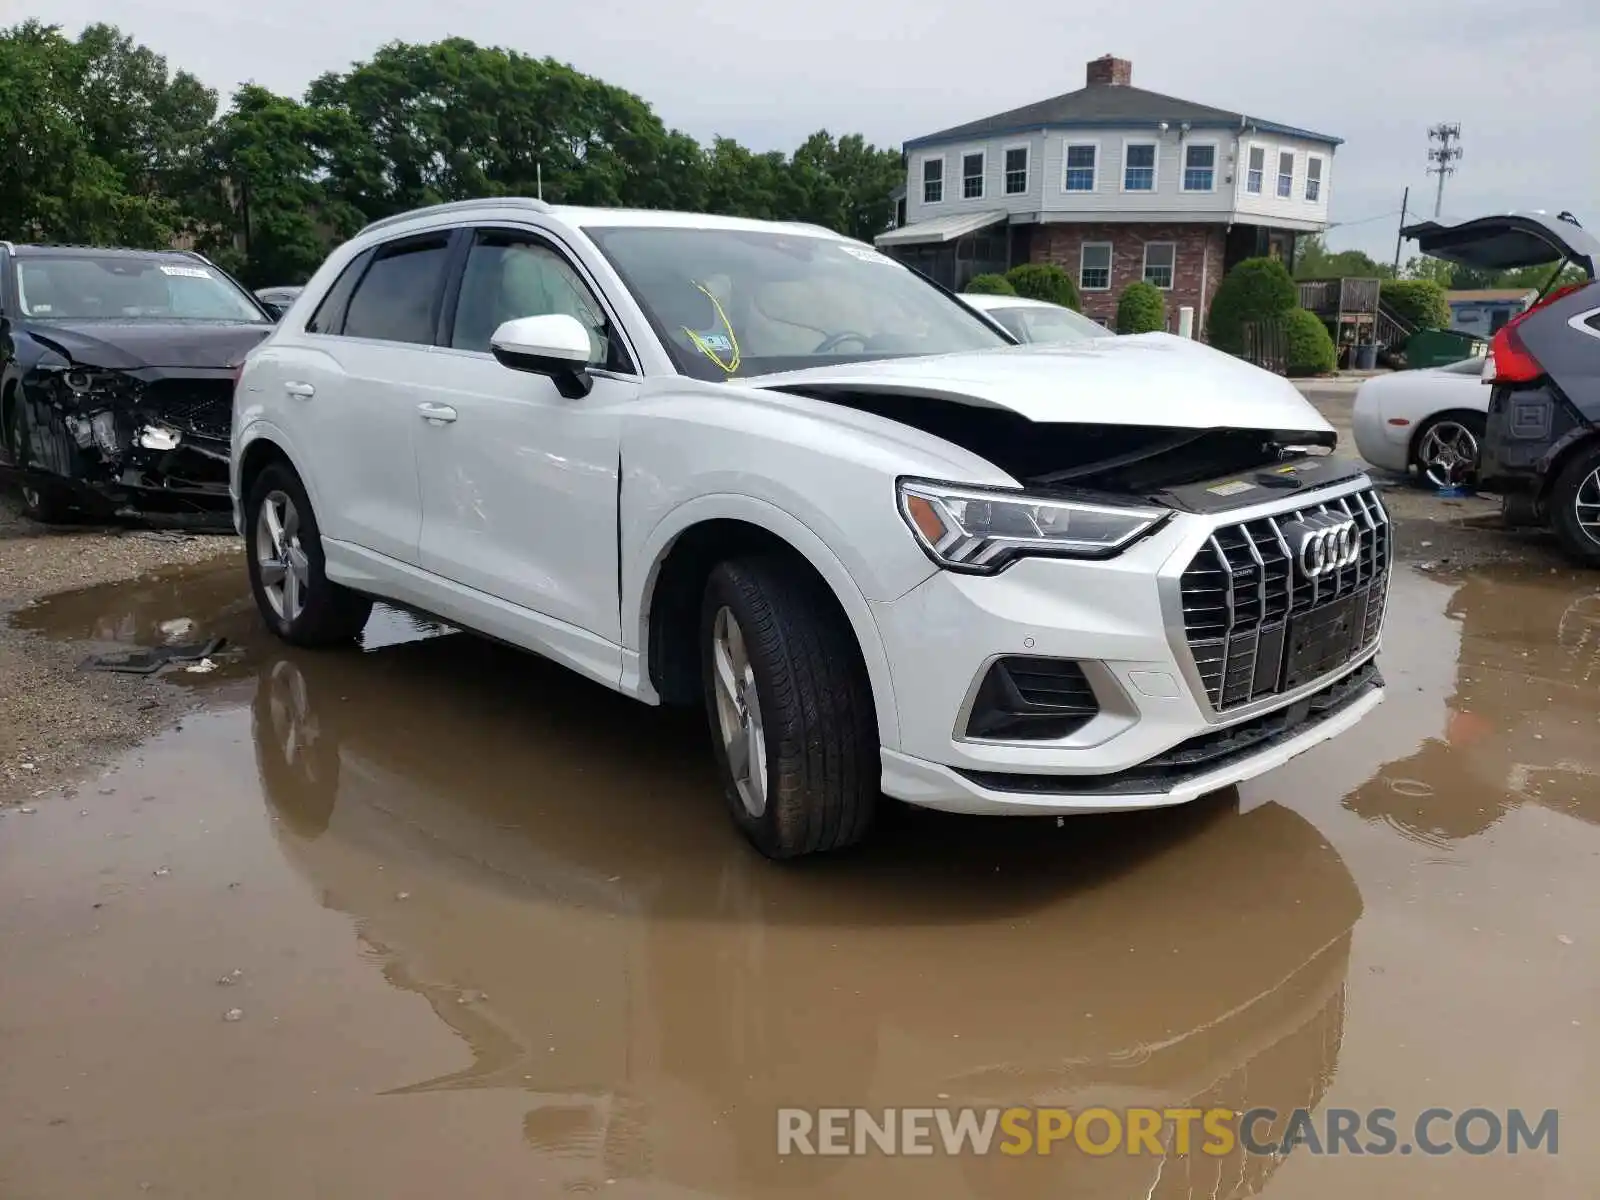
{"x": 1512, "y": 362}
{"x": 1510, "y": 359}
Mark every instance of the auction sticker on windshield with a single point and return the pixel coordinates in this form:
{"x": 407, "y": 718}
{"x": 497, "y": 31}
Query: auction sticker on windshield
{"x": 187, "y": 272}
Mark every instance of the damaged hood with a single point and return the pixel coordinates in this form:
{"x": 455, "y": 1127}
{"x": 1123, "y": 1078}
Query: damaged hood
{"x": 1153, "y": 379}
{"x": 136, "y": 345}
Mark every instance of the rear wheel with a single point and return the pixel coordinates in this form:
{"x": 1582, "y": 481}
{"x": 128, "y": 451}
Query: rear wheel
{"x": 794, "y": 731}
{"x": 284, "y": 554}
{"x": 1446, "y": 449}
{"x": 1574, "y": 506}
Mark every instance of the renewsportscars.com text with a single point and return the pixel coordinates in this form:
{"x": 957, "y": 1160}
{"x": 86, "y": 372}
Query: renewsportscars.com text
{"x": 1160, "y": 1131}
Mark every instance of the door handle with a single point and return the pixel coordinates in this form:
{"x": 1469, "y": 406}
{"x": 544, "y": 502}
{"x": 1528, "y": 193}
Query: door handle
{"x": 436, "y": 414}
{"x": 300, "y": 391}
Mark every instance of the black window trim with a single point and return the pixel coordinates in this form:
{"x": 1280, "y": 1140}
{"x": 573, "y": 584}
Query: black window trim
{"x": 621, "y": 360}
{"x": 386, "y": 250}
{"x": 354, "y": 271}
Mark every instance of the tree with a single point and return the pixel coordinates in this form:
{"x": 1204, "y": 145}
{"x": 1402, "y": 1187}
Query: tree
{"x": 1141, "y": 309}
{"x": 1308, "y": 344}
{"x": 1427, "y": 267}
{"x": 1257, "y": 289}
{"x": 1316, "y": 261}
{"x": 100, "y": 143}
{"x": 1045, "y": 281}
{"x": 1420, "y": 303}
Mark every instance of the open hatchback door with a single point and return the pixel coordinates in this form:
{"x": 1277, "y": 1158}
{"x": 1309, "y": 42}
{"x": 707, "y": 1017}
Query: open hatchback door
{"x": 1510, "y": 240}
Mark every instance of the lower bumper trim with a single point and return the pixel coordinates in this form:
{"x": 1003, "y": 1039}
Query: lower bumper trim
{"x": 1206, "y": 753}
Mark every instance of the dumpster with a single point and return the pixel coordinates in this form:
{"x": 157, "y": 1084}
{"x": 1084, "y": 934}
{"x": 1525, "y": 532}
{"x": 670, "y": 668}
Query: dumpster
{"x": 1440, "y": 347}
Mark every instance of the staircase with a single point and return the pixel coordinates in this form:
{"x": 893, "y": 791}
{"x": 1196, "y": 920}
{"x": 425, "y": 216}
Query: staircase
{"x": 1390, "y": 331}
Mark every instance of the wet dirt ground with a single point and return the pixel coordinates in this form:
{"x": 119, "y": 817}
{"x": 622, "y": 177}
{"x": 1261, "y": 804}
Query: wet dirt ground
{"x": 434, "y": 918}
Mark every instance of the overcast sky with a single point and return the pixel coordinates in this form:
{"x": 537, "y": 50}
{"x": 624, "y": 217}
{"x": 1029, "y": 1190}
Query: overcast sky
{"x": 1519, "y": 76}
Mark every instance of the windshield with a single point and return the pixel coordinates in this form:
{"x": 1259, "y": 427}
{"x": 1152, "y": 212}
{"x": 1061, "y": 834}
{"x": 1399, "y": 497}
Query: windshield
{"x": 125, "y": 288}
{"x": 729, "y": 302}
{"x": 1048, "y": 324}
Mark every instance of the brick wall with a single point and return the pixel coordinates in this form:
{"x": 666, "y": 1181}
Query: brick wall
{"x": 1199, "y": 256}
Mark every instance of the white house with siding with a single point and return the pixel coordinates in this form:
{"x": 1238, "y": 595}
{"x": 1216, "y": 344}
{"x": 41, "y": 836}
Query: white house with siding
{"x": 1116, "y": 184}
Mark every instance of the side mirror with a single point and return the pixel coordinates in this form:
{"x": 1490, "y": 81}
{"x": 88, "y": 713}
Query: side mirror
{"x": 556, "y": 345}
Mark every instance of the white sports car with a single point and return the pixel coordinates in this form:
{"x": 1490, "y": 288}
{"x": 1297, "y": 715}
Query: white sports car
{"x": 1431, "y": 419}
{"x": 1036, "y": 320}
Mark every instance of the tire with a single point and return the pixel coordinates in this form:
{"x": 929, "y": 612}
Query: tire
{"x": 1457, "y": 429}
{"x": 297, "y": 600}
{"x": 816, "y": 756}
{"x": 1574, "y": 501}
{"x": 39, "y": 501}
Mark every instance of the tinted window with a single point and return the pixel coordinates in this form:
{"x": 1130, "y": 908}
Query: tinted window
{"x": 394, "y": 302}
{"x": 509, "y": 276}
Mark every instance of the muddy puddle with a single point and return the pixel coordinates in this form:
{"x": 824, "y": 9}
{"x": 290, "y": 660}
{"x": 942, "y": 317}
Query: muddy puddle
{"x": 429, "y": 917}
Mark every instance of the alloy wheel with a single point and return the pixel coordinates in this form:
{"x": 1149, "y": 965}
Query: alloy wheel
{"x": 739, "y": 712}
{"x": 284, "y": 568}
{"x": 1586, "y": 505}
{"x": 1448, "y": 454}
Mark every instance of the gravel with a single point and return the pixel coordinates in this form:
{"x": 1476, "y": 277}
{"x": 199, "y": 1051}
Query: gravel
{"x": 56, "y": 722}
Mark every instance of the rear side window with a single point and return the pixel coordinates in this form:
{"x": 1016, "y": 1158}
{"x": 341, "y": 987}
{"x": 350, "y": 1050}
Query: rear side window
{"x": 397, "y": 299}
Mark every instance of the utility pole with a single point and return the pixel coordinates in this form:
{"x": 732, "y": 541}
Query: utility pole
{"x": 1445, "y": 155}
{"x": 1405, "y": 200}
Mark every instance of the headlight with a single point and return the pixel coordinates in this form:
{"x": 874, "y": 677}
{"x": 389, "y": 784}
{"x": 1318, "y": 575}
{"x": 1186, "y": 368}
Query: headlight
{"x": 981, "y": 530}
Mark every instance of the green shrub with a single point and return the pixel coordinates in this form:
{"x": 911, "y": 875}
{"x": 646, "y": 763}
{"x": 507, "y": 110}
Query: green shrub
{"x": 1308, "y": 346}
{"x": 1142, "y": 309}
{"x": 1258, "y": 289}
{"x": 990, "y": 285}
{"x": 1420, "y": 303}
{"x": 1045, "y": 281}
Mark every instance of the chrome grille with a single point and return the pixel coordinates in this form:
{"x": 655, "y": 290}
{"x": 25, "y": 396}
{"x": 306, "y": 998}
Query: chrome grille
{"x": 1257, "y": 628}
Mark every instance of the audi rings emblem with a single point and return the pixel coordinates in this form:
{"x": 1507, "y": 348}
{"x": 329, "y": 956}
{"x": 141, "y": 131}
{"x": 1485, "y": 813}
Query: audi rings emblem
{"x": 1325, "y": 549}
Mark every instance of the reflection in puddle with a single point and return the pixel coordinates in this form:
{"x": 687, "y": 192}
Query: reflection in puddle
{"x": 1521, "y": 718}
{"x": 573, "y": 975}
{"x": 577, "y": 911}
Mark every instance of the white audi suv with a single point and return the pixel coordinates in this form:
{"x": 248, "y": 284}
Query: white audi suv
{"x": 765, "y": 469}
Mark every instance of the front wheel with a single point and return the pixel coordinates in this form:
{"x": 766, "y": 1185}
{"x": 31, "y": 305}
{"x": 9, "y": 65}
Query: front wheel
{"x": 284, "y": 552}
{"x": 1575, "y": 506}
{"x": 792, "y": 720}
{"x": 1446, "y": 449}
{"x": 39, "y": 501}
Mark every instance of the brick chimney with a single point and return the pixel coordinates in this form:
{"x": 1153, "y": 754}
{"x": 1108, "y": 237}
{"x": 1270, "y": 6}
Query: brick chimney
{"x": 1107, "y": 69}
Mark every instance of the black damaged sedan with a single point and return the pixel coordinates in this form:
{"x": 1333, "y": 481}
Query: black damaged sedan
{"x": 116, "y": 378}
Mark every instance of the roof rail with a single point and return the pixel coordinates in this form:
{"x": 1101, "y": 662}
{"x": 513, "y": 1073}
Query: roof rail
{"x": 6, "y": 245}
{"x": 459, "y": 206}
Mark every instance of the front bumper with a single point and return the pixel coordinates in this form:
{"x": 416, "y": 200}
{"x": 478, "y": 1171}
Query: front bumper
{"x": 1379, "y": 442}
{"x": 1159, "y": 737}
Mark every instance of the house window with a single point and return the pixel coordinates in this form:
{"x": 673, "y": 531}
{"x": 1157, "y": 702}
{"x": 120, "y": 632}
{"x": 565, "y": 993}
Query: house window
{"x": 1080, "y": 167}
{"x": 1286, "y": 174}
{"x": 1258, "y": 169}
{"x": 1139, "y": 167}
{"x": 1094, "y": 267}
{"x": 1199, "y": 168}
{"x": 932, "y": 180}
{"x": 1159, "y": 260}
{"x": 1313, "y": 179}
{"x": 1016, "y": 170}
{"x": 972, "y": 176}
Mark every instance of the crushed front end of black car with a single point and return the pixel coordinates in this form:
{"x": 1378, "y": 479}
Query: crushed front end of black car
{"x": 116, "y": 379}
{"x": 151, "y": 440}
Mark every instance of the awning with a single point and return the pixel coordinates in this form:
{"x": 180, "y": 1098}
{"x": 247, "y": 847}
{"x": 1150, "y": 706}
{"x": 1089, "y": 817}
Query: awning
{"x": 940, "y": 229}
